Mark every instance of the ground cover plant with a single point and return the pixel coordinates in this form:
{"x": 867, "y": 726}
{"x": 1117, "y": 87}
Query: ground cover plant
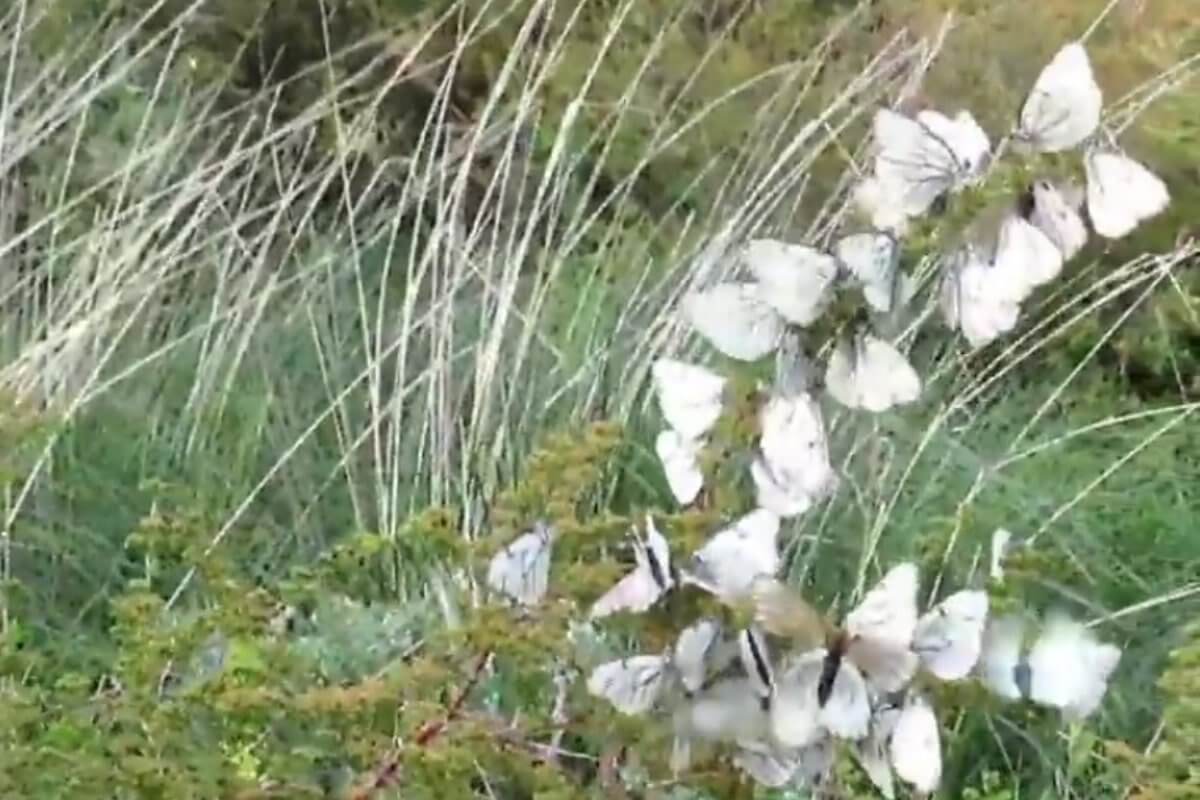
{"x": 297, "y": 340}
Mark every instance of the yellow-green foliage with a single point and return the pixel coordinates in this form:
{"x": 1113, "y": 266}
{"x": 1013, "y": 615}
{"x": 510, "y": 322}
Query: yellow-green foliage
{"x": 1170, "y": 769}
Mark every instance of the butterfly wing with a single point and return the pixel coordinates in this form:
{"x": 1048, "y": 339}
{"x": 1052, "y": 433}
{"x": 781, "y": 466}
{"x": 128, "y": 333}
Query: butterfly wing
{"x": 794, "y": 279}
{"x": 777, "y": 493}
{"x": 795, "y": 452}
{"x": 765, "y": 764}
{"x": 913, "y": 165}
{"x": 680, "y": 459}
{"x": 1068, "y": 668}
{"x": 888, "y": 613}
{"x": 1025, "y": 258}
{"x": 1057, "y": 218}
{"x": 885, "y": 377}
{"x": 734, "y": 557}
{"x": 949, "y": 638}
{"x": 735, "y": 319}
{"x": 727, "y": 711}
{"x": 795, "y": 712}
{"x": 781, "y": 610}
{"x": 693, "y": 650}
{"x": 521, "y": 571}
{"x": 970, "y": 304}
{"x": 916, "y": 748}
{"x": 689, "y": 396}
{"x": 847, "y": 712}
{"x": 887, "y": 666}
{"x": 1121, "y": 193}
{"x": 872, "y": 753}
{"x": 633, "y": 685}
{"x": 967, "y": 142}
{"x": 872, "y": 258}
{"x": 1002, "y": 640}
{"x": 1063, "y": 108}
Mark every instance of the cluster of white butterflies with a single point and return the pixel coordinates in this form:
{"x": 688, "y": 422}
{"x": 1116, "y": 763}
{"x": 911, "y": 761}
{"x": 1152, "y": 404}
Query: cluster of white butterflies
{"x": 917, "y": 161}
{"x": 854, "y": 682}
{"x": 858, "y": 683}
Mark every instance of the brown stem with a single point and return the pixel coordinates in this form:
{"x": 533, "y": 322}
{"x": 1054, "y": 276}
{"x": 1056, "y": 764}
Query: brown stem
{"x": 387, "y": 772}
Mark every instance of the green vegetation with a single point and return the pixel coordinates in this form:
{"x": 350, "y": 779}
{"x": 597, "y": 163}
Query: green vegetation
{"x": 309, "y": 307}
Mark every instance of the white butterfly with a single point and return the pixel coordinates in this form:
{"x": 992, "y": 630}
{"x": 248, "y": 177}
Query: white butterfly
{"x": 735, "y": 319}
{"x": 949, "y": 638}
{"x": 982, "y": 295}
{"x": 916, "y": 748}
{"x": 969, "y": 302}
{"x": 794, "y": 470}
{"x": 1121, "y": 193}
{"x": 1002, "y": 642}
{"x": 680, "y": 458}
{"x": 920, "y": 159}
{"x": 1069, "y": 668}
{"x": 873, "y": 259}
{"x": 649, "y": 580}
{"x": 1063, "y": 108}
{"x": 521, "y": 571}
{"x": 872, "y": 753}
{"x": 689, "y": 396}
{"x": 1024, "y": 259}
{"x": 734, "y": 557}
{"x": 1056, "y": 216}
{"x": 727, "y": 711}
{"x": 697, "y": 653}
{"x": 767, "y": 765}
{"x": 870, "y": 374}
{"x": 828, "y": 687}
{"x": 794, "y": 279}
{"x": 636, "y": 684}
{"x": 633, "y": 685}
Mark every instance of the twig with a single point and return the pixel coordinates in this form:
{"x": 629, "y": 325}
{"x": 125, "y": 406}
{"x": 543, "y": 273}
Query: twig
{"x": 385, "y": 775}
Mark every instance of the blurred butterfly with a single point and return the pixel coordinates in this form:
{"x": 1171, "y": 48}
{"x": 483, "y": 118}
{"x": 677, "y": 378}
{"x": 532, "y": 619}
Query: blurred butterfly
{"x": 730, "y": 561}
{"x": 521, "y": 571}
{"x": 918, "y": 160}
{"x": 777, "y": 767}
{"x": 635, "y": 684}
{"x": 795, "y": 280}
{"x": 689, "y": 396}
{"x": 1067, "y": 668}
{"x": 984, "y": 287}
{"x": 868, "y": 373}
{"x": 649, "y": 580}
{"x": 1121, "y": 193}
{"x": 872, "y": 260}
{"x": 1063, "y": 108}
{"x": 735, "y": 319}
{"x": 680, "y": 459}
{"x": 969, "y": 303}
{"x": 949, "y": 638}
{"x": 827, "y": 686}
{"x": 793, "y": 470}
{"x": 916, "y": 749}
{"x": 1055, "y": 214}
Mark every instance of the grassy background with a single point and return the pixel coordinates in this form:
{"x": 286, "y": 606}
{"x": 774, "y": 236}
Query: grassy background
{"x": 304, "y": 271}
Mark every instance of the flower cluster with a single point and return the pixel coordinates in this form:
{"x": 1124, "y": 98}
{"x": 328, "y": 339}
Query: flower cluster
{"x": 781, "y": 691}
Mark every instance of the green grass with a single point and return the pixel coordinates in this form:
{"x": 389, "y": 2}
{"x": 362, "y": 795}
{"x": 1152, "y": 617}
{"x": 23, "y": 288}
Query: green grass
{"x": 285, "y": 320}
